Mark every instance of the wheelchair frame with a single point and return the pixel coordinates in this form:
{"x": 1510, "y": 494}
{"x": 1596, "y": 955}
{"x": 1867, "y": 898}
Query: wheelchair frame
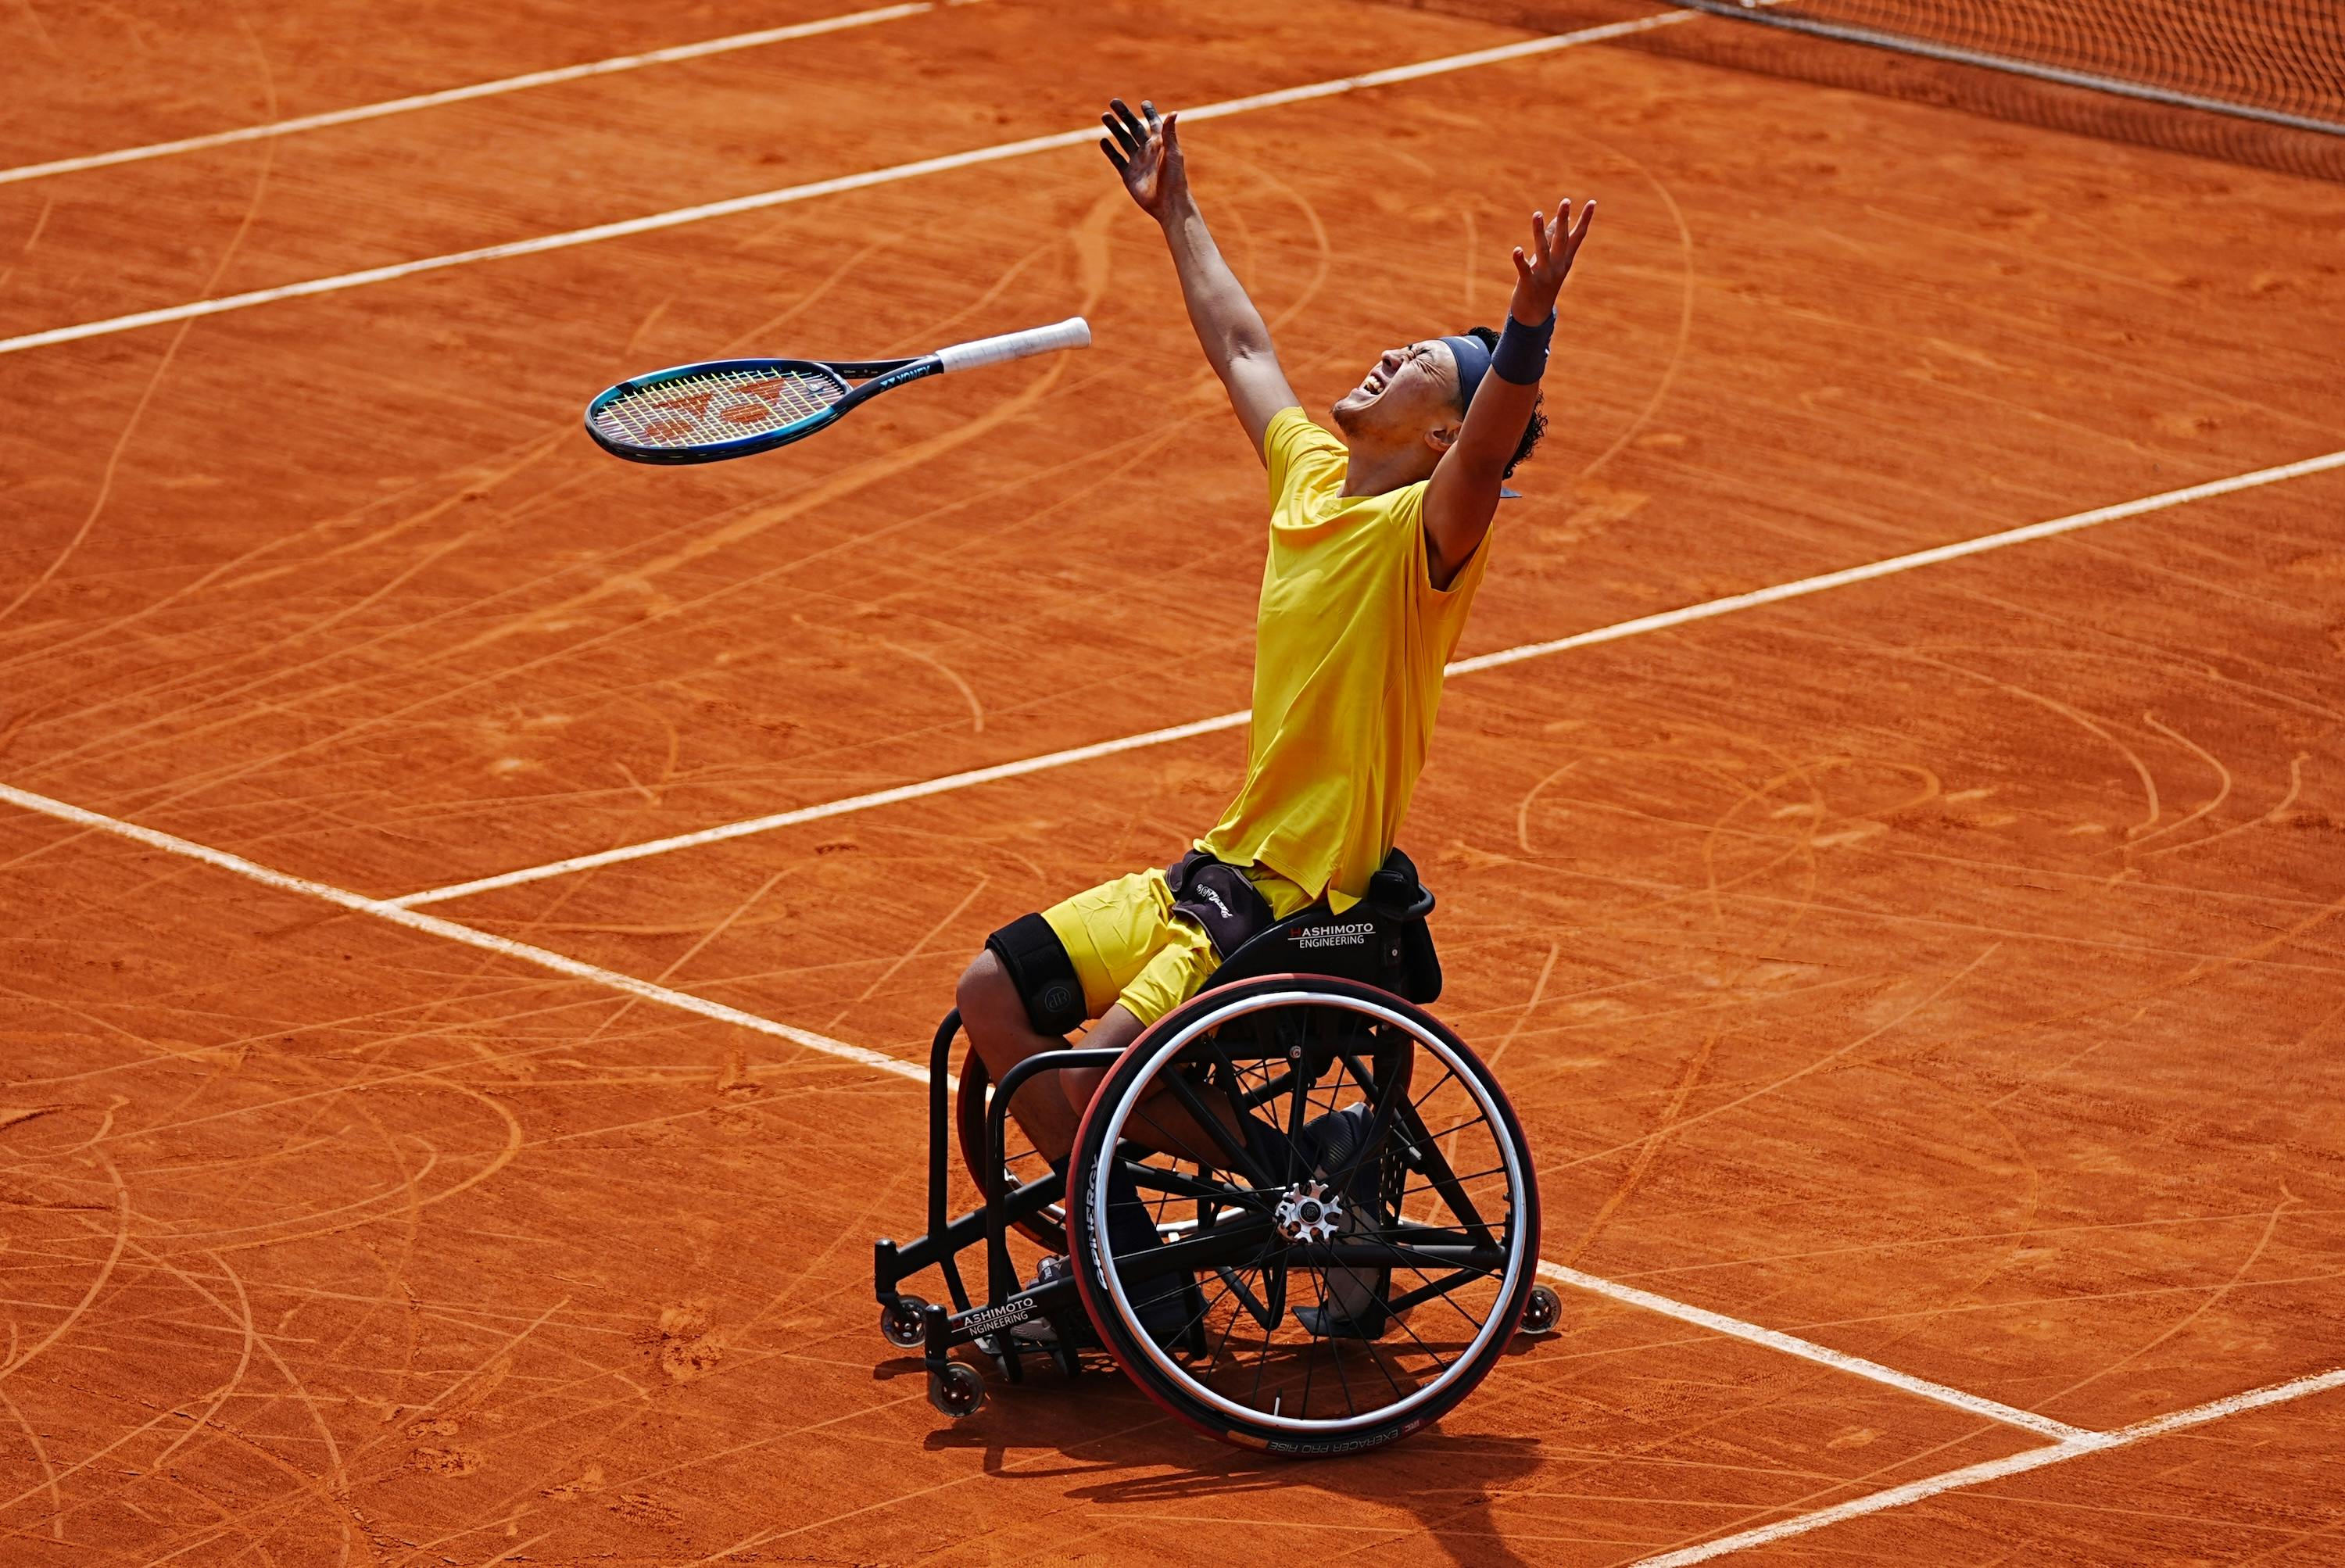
{"x": 936, "y": 1329}
{"x": 1007, "y": 1304}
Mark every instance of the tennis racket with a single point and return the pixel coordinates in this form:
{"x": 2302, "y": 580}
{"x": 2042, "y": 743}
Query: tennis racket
{"x": 734, "y": 408}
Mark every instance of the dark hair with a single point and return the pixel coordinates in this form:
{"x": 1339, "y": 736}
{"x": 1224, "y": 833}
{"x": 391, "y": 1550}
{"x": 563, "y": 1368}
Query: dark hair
{"x": 1531, "y": 431}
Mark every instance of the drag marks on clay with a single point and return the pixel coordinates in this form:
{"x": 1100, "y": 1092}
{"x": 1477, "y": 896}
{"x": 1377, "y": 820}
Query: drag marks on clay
{"x": 1975, "y": 1475}
{"x": 155, "y": 377}
{"x": 560, "y": 1369}
{"x": 273, "y": 127}
{"x": 108, "y": 748}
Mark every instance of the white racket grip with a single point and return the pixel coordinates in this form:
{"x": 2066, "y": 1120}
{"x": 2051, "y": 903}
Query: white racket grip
{"x": 1074, "y": 332}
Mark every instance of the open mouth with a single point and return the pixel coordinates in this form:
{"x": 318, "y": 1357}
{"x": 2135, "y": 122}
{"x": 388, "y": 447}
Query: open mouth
{"x": 1374, "y": 383}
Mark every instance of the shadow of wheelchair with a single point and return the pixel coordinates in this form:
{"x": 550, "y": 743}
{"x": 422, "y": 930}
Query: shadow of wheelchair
{"x": 1099, "y": 1440}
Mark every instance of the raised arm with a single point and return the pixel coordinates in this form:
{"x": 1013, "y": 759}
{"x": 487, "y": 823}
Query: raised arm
{"x": 1146, "y": 151}
{"x": 1463, "y": 495}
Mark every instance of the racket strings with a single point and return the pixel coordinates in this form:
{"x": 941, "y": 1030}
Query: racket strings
{"x": 708, "y": 407}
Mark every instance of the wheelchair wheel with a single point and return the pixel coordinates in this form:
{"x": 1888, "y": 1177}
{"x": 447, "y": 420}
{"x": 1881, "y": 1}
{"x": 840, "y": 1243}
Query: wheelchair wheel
{"x": 1332, "y": 1282}
{"x": 1020, "y": 1161}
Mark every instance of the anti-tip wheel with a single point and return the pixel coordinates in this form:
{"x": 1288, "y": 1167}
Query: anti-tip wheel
{"x": 959, "y": 1391}
{"x": 901, "y": 1324}
{"x": 1542, "y": 1312}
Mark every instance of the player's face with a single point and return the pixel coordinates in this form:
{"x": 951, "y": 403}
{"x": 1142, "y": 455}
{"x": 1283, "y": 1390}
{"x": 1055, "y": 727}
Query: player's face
{"x": 1410, "y": 390}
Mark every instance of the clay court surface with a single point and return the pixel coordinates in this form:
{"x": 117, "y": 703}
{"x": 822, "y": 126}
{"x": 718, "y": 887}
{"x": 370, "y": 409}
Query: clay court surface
{"x": 1944, "y": 970}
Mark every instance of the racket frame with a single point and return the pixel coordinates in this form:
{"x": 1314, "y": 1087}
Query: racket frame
{"x": 877, "y": 376}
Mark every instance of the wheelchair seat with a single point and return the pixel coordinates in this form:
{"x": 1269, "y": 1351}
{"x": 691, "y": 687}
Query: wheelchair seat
{"x": 1381, "y": 940}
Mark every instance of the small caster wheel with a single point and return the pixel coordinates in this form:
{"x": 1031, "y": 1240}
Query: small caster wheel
{"x": 958, "y": 1390}
{"x": 1542, "y": 1312}
{"x": 901, "y": 1324}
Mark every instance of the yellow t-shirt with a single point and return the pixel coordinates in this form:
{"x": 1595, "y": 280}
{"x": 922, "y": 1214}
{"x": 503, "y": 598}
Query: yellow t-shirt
{"x": 1349, "y": 645}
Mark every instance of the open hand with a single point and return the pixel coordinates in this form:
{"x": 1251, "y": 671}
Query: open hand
{"x": 1539, "y": 275}
{"x": 1146, "y": 151}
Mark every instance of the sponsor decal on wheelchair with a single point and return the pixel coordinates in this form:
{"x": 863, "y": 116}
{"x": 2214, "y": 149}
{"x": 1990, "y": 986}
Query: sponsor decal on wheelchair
{"x": 1332, "y": 1446}
{"x": 986, "y": 1319}
{"x": 1351, "y": 933}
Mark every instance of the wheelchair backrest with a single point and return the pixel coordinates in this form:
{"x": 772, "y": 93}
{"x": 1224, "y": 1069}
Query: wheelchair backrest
{"x": 1381, "y": 940}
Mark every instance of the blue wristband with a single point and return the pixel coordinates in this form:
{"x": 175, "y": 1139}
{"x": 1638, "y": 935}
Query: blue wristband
{"x": 1521, "y": 355}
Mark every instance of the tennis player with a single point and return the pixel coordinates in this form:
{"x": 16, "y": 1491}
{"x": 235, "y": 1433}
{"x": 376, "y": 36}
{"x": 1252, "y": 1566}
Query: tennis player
{"x": 1378, "y": 540}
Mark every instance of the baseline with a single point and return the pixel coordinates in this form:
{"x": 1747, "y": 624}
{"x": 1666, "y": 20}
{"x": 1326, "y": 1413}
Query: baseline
{"x": 545, "y": 78}
{"x": 1997, "y": 1469}
{"x": 680, "y": 216}
{"x": 1659, "y": 621}
{"x": 543, "y": 958}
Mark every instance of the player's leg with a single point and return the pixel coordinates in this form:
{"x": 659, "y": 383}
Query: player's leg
{"x": 1183, "y": 961}
{"x": 1003, "y": 1034}
{"x": 1117, "y": 954}
{"x": 1043, "y": 975}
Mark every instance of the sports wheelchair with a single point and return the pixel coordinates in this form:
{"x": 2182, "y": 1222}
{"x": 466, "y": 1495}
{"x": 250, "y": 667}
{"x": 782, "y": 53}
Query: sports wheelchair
{"x": 1302, "y": 1293}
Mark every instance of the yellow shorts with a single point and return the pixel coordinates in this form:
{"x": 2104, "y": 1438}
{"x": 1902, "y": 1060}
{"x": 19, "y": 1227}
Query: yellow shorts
{"x": 1128, "y": 947}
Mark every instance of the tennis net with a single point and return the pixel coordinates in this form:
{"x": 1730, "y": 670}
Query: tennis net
{"x": 2280, "y": 61}
{"x": 2272, "y": 70}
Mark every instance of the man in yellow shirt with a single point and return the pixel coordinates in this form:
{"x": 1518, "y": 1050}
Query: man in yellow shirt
{"x": 1377, "y": 547}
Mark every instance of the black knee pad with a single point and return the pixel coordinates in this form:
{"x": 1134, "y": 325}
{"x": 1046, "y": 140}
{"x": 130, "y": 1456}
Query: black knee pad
{"x": 1041, "y": 972}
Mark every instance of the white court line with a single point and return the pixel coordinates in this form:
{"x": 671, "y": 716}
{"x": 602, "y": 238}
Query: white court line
{"x": 1997, "y": 1469}
{"x": 762, "y": 200}
{"x": 757, "y": 40}
{"x": 434, "y": 925}
{"x": 1653, "y": 623}
{"x": 1042, "y": 764}
{"x": 1734, "y": 1328}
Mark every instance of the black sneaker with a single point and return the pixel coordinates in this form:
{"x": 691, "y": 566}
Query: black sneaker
{"x": 1071, "y": 1330}
{"x": 1335, "y": 1144}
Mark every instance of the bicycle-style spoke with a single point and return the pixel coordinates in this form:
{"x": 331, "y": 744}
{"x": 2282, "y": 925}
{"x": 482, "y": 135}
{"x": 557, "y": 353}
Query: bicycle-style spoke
{"x": 1336, "y": 1351}
{"x": 1420, "y": 1155}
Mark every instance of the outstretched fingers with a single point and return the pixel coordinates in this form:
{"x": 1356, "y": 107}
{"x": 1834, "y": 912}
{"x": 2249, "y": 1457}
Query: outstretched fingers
{"x": 1136, "y": 140}
{"x": 1127, "y": 132}
{"x": 1133, "y": 132}
{"x": 1578, "y": 235}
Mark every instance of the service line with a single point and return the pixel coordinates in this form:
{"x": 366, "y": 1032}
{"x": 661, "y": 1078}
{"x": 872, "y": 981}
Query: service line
{"x": 1661, "y": 621}
{"x": 1997, "y": 1469}
{"x": 678, "y": 217}
{"x": 757, "y": 40}
{"x": 542, "y": 958}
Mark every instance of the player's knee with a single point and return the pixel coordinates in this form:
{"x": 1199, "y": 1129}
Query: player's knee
{"x": 985, "y": 991}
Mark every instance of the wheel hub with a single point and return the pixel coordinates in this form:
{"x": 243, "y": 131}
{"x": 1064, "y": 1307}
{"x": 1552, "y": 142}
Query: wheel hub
{"x": 1309, "y": 1212}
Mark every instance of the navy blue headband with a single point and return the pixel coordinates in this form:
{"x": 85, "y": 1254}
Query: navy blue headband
{"x": 1473, "y": 364}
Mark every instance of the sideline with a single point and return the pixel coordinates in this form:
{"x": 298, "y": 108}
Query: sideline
{"x": 432, "y": 925}
{"x": 375, "y": 111}
{"x": 1997, "y": 1469}
{"x": 680, "y": 216}
{"x": 1704, "y": 611}
{"x": 1823, "y": 1355}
